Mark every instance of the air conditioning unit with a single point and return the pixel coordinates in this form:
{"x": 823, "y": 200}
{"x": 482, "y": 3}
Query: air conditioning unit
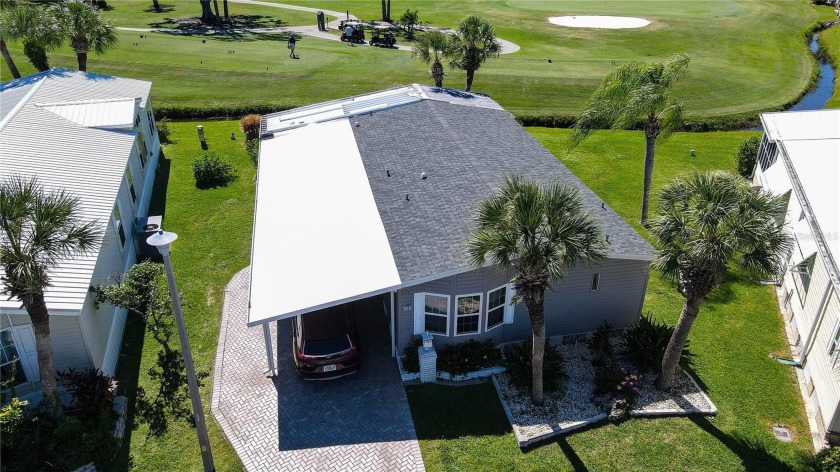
{"x": 144, "y": 228}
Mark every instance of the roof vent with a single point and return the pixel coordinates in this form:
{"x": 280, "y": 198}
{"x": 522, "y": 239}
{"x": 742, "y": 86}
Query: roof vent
{"x": 608, "y": 238}
{"x": 388, "y": 172}
{"x": 357, "y": 124}
{"x": 423, "y": 176}
{"x": 407, "y": 197}
{"x": 603, "y": 205}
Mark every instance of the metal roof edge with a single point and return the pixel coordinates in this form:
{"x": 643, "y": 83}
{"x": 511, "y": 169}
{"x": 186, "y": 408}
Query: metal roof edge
{"x": 322, "y": 306}
{"x": 23, "y": 101}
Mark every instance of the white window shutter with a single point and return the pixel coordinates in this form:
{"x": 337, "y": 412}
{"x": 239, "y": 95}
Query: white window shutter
{"x": 509, "y": 293}
{"x": 419, "y": 313}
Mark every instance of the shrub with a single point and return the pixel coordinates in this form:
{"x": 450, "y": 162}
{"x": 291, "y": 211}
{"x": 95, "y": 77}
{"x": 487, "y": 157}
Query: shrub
{"x": 606, "y": 378}
{"x": 646, "y": 341}
{"x": 250, "y": 125}
{"x": 253, "y": 149}
{"x": 411, "y": 359}
{"x": 470, "y": 356}
{"x": 92, "y": 390}
{"x": 626, "y": 388}
{"x": 828, "y": 460}
{"x": 517, "y": 361}
{"x": 211, "y": 171}
{"x": 600, "y": 346}
{"x": 747, "y": 153}
{"x": 12, "y": 421}
{"x": 163, "y": 129}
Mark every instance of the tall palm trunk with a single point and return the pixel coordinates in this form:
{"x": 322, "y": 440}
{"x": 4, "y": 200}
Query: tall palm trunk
{"x": 651, "y": 132}
{"x": 216, "y": 9}
{"x": 206, "y": 12}
{"x": 470, "y": 76}
{"x": 673, "y": 352}
{"x": 8, "y": 58}
{"x": 156, "y": 3}
{"x": 437, "y": 73}
{"x": 536, "y": 311}
{"x": 225, "y": 4}
{"x": 37, "y": 309}
{"x": 81, "y": 57}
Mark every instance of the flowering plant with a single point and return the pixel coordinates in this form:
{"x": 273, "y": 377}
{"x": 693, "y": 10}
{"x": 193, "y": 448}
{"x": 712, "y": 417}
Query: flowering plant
{"x": 627, "y": 388}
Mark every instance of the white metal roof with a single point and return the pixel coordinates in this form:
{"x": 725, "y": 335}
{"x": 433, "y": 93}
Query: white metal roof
{"x": 811, "y": 142}
{"x": 329, "y": 248}
{"x": 87, "y": 162}
{"x": 321, "y": 112}
{"x": 817, "y": 124}
{"x": 111, "y": 113}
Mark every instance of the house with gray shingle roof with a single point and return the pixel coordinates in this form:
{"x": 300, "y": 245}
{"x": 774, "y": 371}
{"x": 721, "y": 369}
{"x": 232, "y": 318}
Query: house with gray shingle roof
{"x": 374, "y": 195}
{"x": 95, "y": 137}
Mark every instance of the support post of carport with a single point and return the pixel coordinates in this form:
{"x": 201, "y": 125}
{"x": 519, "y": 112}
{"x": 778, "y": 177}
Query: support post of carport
{"x": 269, "y": 350}
{"x": 393, "y": 341}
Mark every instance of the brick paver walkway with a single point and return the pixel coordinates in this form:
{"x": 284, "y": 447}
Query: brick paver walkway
{"x": 360, "y": 422}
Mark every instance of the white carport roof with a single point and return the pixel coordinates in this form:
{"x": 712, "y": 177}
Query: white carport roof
{"x": 318, "y": 238}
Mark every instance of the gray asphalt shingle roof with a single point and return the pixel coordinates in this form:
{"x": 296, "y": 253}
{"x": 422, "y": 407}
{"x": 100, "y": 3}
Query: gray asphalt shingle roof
{"x": 465, "y": 148}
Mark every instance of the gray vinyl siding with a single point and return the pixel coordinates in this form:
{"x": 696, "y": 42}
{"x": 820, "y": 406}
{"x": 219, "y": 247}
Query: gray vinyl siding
{"x": 571, "y": 307}
{"x": 68, "y": 345}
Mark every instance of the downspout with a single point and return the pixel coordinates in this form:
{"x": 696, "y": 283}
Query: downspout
{"x": 809, "y": 341}
{"x": 393, "y": 317}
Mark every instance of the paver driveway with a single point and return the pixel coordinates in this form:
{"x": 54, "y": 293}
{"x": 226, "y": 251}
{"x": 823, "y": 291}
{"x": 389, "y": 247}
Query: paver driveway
{"x": 359, "y": 422}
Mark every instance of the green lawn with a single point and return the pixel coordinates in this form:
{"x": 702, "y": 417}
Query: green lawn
{"x": 214, "y": 231}
{"x": 746, "y": 56}
{"x": 141, "y": 14}
{"x": 830, "y": 41}
{"x": 464, "y": 428}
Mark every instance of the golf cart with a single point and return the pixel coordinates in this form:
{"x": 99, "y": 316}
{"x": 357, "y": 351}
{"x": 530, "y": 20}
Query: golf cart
{"x": 383, "y": 37}
{"x": 358, "y": 35}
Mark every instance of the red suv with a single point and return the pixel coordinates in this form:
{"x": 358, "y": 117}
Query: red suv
{"x": 325, "y": 344}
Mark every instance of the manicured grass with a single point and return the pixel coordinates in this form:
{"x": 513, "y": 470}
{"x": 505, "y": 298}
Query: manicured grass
{"x": 830, "y": 41}
{"x": 746, "y": 56}
{"x": 141, "y": 14}
{"x": 214, "y": 242}
{"x": 737, "y": 328}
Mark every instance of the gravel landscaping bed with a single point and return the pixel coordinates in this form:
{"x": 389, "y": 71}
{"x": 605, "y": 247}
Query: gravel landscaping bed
{"x": 577, "y": 407}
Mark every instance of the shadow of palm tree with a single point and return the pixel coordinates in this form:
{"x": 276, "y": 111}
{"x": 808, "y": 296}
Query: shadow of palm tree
{"x": 753, "y": 454}
{"x": 163, "y": 9}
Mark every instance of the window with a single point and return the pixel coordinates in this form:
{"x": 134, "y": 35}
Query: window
{"x": 767, "y": 153}
{"x": 130, "y": 183}
{"x": 141, "y": 148}
{"x": 834, "y": 344}
{"x": 468, "y": 314}
{"x": 802, "y": 277}
{"x": 137, "y": 121}
{"x": 10, "y": 366}
{"x": 496, "y": 300}
{"x": 596, "y": 280}
{"x": 118, "y": 226}
{"x": 436, "y": 313}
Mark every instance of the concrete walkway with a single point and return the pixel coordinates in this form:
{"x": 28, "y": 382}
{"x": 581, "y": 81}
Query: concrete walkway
{"x": 508, "y": 47}
{"x": 287, "y": 424}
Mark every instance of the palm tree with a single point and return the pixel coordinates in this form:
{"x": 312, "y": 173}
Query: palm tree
{"x": 36, "y": 28}
{"x": 83, "y": 25}
{"x": 707, "y": 223}
{"x": 430, "y": 48}
{"x": 474, "y": 42}
{"x": 38, "y": 230}
{"x": 6, "y": 6}
{"x": 634, "y": 93}
{"x": 540, "y": 233}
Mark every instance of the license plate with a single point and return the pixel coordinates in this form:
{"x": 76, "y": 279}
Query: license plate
{"x": 329, "y": 368}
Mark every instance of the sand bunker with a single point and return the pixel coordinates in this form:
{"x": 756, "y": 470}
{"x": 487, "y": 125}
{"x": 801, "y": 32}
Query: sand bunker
{"x": 608, "y": 22}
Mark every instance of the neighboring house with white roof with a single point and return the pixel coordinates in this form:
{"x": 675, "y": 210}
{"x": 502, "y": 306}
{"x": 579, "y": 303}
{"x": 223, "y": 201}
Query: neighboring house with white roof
{"x": 94, "y": 136}
{"x": 374, "y": 195}
{"x": 799, "y": 157}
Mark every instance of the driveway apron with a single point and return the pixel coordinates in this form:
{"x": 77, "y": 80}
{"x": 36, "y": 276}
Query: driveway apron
{"x": 358, "y": 422}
